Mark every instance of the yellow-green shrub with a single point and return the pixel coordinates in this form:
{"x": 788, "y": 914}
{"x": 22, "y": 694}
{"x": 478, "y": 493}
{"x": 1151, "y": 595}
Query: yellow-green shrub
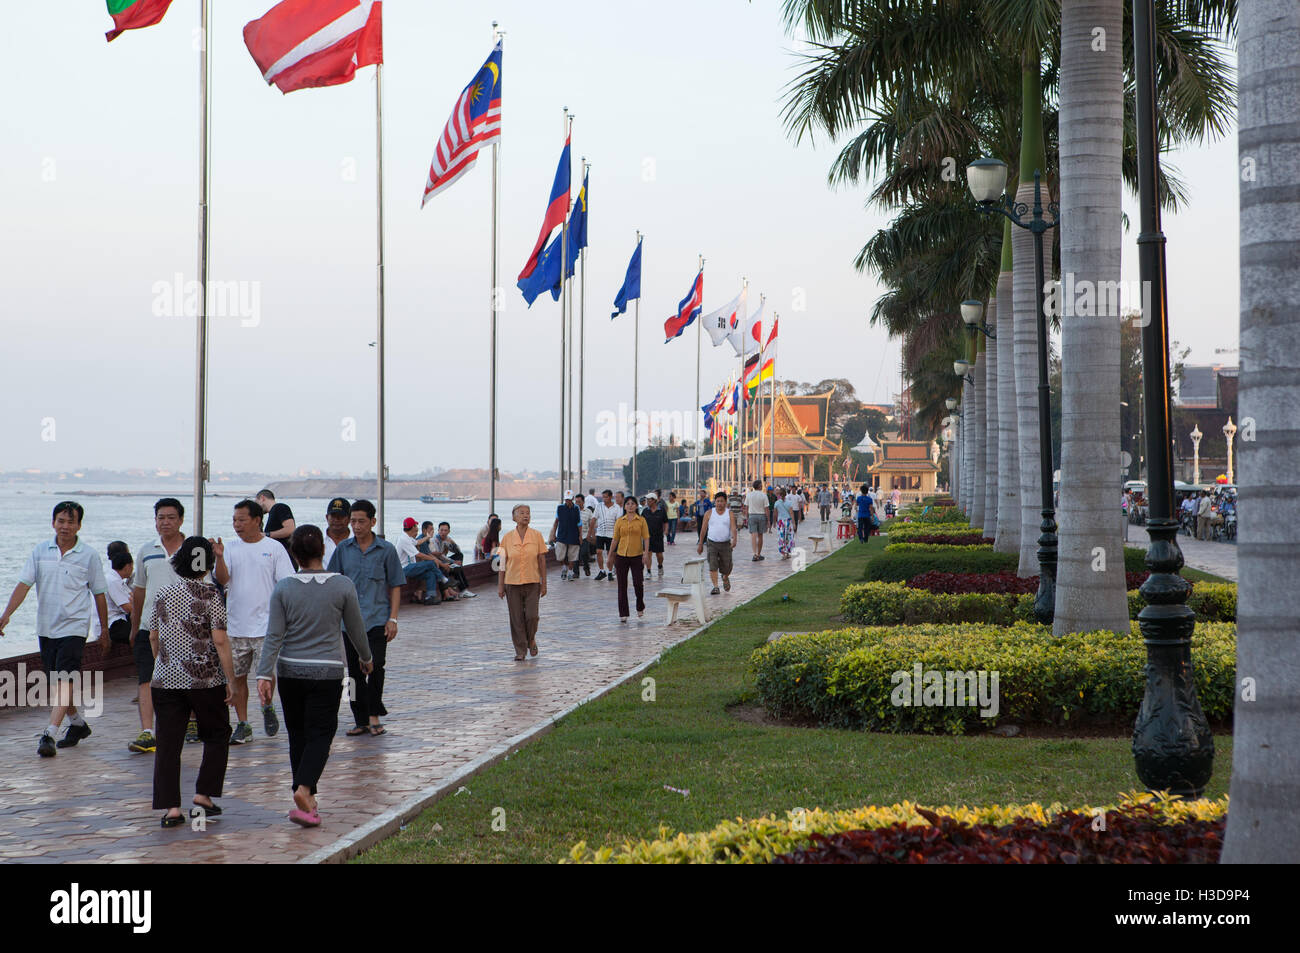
{"x": 893, "y": 603}
{"x": 904, "y": 532}
{"x": 759, "y": 840}
{"x": 843, "y": 678}
{"x": 1211, "y": 601}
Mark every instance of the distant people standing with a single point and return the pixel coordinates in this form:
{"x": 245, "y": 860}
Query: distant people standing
{"x": 566, "y": 534}
{"x": 279, "y": 518}
{"x": 700, "y": 509}
{"x": 673, "y": 515}
{"x": 153, "y": 571}
{"x": 756, "y": 518}
{"x": 376, "y": 572}
{"x": 304, "y": 652}
{"x": 588, "y": 533}
{"x": 1203, "y": 514}
{"x": 336, "y": 525}
{"x": 522, "y": 580}
{"x": 606, "y": 515}
{"x": 784, "y": 514}
{"x": 656, "y": 519}
{"x": 194, "y": 673}
{"x": 824, "y": 502}
{"x": 719, "y": 532}
{"x": 248, "y": 566}
{"x": 68, "y": 577}
{"x": 631, "y": 555}
{"x": 865, "y": 506}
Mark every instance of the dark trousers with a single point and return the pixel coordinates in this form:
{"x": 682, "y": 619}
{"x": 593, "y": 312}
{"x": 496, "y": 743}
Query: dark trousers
{"x": 864, "y": 527}
{"x": 672, "y": 531}
{"x": 457, "y": 577}
{"x": 522, "y": 601}
{"x": 171, "y": 708}
{"x": 826, "y": 514}
{"x": 311, "y": 716}
{"x": 368, "y": 690}
{"x": 622, "y": 566}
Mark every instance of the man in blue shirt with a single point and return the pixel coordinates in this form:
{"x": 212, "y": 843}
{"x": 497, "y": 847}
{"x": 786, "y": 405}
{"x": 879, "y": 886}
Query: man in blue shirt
{"x": 566, "y": 534}
{"x": 865, "y": 506}
{"x": 699, "y": 510}
{"x": 376, "y": 571}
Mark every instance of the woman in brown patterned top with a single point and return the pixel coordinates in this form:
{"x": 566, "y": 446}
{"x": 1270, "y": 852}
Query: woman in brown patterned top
{"x": 193, "y": 671}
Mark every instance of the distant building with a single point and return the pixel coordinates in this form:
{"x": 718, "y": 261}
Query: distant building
{"x": 1206, "y": 398}
{"x": 607, "y": 470}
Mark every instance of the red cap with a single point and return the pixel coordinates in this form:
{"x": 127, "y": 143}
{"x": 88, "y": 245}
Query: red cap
{"x": 408, "y": 523}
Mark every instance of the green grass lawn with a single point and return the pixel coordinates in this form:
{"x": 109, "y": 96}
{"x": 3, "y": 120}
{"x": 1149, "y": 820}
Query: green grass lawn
{"x": 600, "y": 774}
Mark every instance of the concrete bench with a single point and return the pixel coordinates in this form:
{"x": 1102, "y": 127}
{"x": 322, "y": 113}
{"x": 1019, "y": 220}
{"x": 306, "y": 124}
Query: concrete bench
{"x": 817, "y": 540}
{"x": 691, "y": 590}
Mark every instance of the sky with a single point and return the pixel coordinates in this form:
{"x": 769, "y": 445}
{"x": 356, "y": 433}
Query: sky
{"x": 677, "y": 107}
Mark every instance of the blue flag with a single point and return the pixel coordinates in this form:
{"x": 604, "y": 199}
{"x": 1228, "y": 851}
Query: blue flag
{"x": 631, "y": 282}
{"x": 578, "y": 225}
{"x": 546, "y": 276}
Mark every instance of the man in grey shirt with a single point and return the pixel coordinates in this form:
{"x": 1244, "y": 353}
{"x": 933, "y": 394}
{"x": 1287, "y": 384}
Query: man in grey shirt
{"x": 824, "y": 503}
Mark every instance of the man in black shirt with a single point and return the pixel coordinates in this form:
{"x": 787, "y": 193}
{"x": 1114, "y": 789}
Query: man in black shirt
{"x": 656, "y": 518}
{"x": 279, "y": 520}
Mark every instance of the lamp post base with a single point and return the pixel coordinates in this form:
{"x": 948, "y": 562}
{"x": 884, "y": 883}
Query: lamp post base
{"x": 1045, "y": 601}
{"x": 1172, "y": 744}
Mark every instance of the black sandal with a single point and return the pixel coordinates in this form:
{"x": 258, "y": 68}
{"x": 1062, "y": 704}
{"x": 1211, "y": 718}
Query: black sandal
{"x": 358, "y": 730}
{"x": 168, "y": 821}
{"x": 212, "y": 810}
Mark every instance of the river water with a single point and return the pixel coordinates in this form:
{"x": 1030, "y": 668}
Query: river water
{"x": 129, "y": 518}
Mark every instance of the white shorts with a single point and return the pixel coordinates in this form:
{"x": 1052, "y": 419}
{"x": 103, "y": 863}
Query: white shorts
{"x": 567, "y": 552}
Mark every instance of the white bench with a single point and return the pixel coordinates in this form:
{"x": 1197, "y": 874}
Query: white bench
{"x": 691, "y": 590}
{"x": 817, "y": 540}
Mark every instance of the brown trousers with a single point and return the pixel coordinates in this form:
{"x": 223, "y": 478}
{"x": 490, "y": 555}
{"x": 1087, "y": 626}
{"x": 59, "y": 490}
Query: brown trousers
{"x": 522, "y": 601}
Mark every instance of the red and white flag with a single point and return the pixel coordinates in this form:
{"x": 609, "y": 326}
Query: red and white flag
{"x": 304, "y": 43}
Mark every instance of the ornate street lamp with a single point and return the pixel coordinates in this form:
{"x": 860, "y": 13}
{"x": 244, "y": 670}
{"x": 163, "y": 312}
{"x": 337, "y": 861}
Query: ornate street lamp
{"x": 1230, "y": 431}
{"x": 1196, "y": 436}
{"x": 962, "y": 370}
{"x": 972, "y": 314}
{"x": 1173, "y": 749}
{"x": 987, "y": 179}
{"x": 951, "y": 404}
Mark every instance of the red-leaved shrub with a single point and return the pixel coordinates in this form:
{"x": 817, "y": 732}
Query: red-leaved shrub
{"x": 946, "y": 539}
{"x": 955, "y": 583}
{"x": 1132, "y": 836}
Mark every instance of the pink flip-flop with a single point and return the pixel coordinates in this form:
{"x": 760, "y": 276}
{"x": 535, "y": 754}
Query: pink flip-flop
{"x": 304, "y": 818}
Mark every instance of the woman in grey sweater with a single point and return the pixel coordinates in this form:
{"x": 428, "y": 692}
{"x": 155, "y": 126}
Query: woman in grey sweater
{"x": 303, "y": 650}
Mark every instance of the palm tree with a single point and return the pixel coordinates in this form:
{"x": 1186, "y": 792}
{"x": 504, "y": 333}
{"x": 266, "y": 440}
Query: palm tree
{"x": 1091, "y": 591}
{"x": 1266, "y": 735}
{"x": 991, "y": 424}
{"x": 1007, "y": 539}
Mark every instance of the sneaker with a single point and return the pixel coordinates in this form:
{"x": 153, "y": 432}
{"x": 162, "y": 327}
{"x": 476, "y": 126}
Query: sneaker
{"x": 270, "y": 723}
{"x": 192, "y": 732}
{"x": 564, "y": 574}
{"x": 600, "y": 575}
{"x": 144, "y": 743}
{"x": 715, "y": 591}
{"x": 45, "y": 748}
{"x": 74, "y": 734}
{"x": 467, "y": 594}
{"x": 243, "y": 732}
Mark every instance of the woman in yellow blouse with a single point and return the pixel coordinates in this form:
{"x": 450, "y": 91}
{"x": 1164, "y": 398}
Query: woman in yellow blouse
{"x": 522, "y": 580}
{"x": 631, "y": 547}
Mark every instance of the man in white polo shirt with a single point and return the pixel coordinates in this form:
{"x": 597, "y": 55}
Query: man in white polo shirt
{"x": 756, "y": 518}
{"x": 607, "y": 514}
{"x": 69, "y": 581}
{"x": 249, "y": 566}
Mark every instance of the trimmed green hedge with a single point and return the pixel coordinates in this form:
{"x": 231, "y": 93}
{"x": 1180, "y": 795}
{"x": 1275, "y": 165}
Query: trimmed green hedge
{"x": 932, "y": 547}
{"x": 900, "y": 566}
{"x": 904, "y": 532}
{"x": 852, "y": 678}
{"x": 893, "y": 603}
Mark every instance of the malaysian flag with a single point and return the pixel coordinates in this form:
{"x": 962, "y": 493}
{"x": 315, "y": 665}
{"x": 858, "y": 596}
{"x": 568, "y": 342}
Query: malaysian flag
{"x": 476, "y": 119}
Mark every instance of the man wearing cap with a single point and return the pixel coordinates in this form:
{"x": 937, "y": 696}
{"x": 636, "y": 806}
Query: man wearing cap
{"x": 656, "y": 518}
{"x": 422, "y": 568}
{"x": 336, "y": 528}
{"x": 566, "y": 535}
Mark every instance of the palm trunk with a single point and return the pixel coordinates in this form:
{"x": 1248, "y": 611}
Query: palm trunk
{"x": 991, "y": 427}
{"x": 1026, "y": 304}
{"x": 1008, "y": 537}
{"x": 977, "y": 441}
{"x": 968, "y": 444}
{"x": 1262, "y": 824}
{"x": 1090, "y": 587}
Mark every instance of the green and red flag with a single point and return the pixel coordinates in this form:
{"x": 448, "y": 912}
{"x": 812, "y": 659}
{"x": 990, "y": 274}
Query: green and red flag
{"x": 134, "y": 14}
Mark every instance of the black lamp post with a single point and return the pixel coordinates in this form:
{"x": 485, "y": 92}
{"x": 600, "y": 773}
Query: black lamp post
{"x": 988, "y": 181}
{"x": 1172, "y": 745}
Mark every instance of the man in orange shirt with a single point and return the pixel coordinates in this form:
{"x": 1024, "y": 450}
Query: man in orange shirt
{"x": 522, "y": 579}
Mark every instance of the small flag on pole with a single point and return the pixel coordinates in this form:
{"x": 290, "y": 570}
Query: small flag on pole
{"x": 631, "y": 289}
{"x": 556, "y": 208}
{"x": 754, "y": 343}
{"x": 302, "y": 44}
{"x": 719, "y": 323}
{"x": 475, "y": 120}
{"x": 688, "y": 309}
{"x": 134, "y": 14}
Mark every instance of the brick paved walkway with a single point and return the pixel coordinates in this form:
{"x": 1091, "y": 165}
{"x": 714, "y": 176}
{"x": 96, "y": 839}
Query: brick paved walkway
{"x": 453, "y": 690}
{"x": 1218, "y": 558}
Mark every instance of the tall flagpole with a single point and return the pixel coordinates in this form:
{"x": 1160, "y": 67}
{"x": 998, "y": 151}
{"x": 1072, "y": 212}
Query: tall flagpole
{"x": 698, "y": 352}
{"x": 564, "y": 285}
{"x": 382, "y": 468}
{"x": 492, "y": 304}
{"x": 744, "y": 342}
{"x": 201, "y": 328}
{"x": 636, "y": 382}
{"x": 582, "y": 340}
{"x": 568, "y": 454}
{"x": 772, "y": 411}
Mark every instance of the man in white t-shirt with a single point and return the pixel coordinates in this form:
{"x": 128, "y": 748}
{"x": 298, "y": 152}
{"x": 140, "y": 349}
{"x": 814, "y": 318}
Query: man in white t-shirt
{"x": 249, "y": 566}
{"x": 607, "y": 514}
{"x": 756, "y": 512}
